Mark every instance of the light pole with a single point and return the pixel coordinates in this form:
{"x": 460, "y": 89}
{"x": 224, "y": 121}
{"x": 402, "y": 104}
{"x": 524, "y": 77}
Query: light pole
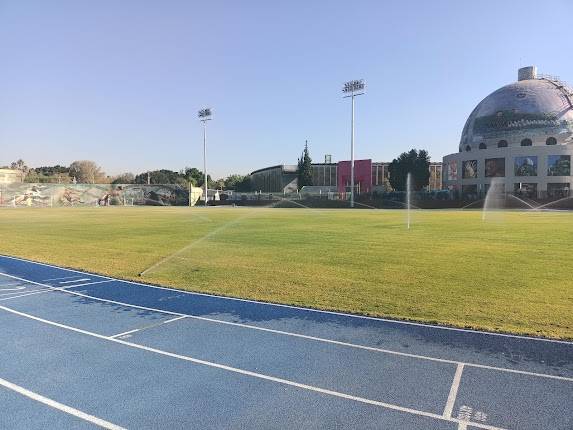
{"x": 204, "y": 116}
{"x": 352, "y": 89}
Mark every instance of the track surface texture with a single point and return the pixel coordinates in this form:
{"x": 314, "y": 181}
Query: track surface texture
{"x": 86, "y": 351}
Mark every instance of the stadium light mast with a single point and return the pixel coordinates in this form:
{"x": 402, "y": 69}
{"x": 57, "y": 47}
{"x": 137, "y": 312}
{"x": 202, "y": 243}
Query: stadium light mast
{"x": 204, "y": 116}
{"x": 352, "y": 89}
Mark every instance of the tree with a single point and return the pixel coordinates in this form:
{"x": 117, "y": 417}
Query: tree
{"x": 162, "y": 176}
{"x": 244, "y": 185}
{"x": 124, "y": 178}
{"x": 232, "y": 181}
{"x": 19, "y": 165}
{"x": 238, "y": 183}
{"x": 193, "y": 175}
{"x": 165, "y": 176}
{"x": 415, "y": 162}
{"x": 86, "y": 172}
{"x": 304, "y": 168}
{"x": 197, "y": 178}
{"x": 217, "y": 184}
{"x": 52, "y": 170}
{"x": 48, "y": 174}
{"x": 210, "y": 182}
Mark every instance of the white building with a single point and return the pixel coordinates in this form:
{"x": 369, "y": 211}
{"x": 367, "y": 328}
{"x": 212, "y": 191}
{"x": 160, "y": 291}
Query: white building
{"x": 522, "y": 134}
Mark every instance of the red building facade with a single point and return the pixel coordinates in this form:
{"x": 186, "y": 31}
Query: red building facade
{"x": 362, "y": 176}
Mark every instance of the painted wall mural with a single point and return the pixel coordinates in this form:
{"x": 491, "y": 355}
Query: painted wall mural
{"x": 558, "y": 165}
{"x": 469, "y": 169}
{"x": 494, "y": 167}
{"x": 46, "y": 195}
{"x": 452, "y": 167}
{"x": 525, "y": 166}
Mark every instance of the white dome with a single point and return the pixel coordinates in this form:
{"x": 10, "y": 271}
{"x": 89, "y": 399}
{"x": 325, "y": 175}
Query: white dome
{"x": 532, "y": 108}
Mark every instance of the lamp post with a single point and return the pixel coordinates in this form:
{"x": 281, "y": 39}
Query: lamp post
{"x": 204, "y": 116}
{"x": 352, "y": 89}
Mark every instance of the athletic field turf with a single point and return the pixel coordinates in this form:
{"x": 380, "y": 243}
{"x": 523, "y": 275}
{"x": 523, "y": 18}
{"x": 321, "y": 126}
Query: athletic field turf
{"x": 510, "y": 273}
{"x": 81, "y": 350}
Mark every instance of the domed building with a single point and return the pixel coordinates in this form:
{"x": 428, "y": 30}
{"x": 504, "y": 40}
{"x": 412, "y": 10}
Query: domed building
{"x": 522, "y": 134}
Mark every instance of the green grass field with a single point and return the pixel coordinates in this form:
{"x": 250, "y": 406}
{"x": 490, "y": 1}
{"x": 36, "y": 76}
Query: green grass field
{"x": 510, "y": 273}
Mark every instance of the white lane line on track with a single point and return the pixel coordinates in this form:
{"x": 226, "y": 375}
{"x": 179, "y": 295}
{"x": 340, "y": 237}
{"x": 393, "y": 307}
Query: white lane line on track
{"x": 462, "y": 425}
{"x": 59, "y": 406}
{"x": 88, "y": 283}
{"x": 40, "y": 284}
{"x": 63, "y": 277}
{"x": 302, "y": 336}
{"x": 46, "y": 290}
{"x": 125, "y": 333}
{"x": 249, "y": 373}
{"x": 453, "y": 391}
{"x": 12, "y": 290}
{"x": 440, "y": 327}
{"x": 74, "y": 280}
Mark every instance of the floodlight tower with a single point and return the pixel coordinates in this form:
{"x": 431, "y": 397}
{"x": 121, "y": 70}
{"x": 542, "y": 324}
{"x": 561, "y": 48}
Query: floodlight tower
{"x": 204, "y": 116}
{"x": 352, "y": 89}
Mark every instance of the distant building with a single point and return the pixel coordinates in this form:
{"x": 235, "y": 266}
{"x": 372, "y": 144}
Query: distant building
{"x": 519, "y": 138}
{"x": 10, "y": 176}
{"x": 275, "y": 179}
{"x": 369, "y": 176}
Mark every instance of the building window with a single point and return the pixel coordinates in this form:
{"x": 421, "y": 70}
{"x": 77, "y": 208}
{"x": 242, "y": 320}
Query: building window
{"x": 470, "y": 192}
{"x": 523, "y": 189}
{"x": 558, "y": 190}
{"x": 526, "y": 142}
{"x": 502, "y": 144}
{"x": 498, "y": 189}
{"x": 551, "y": 141}
{"x": 468, "y": 148}
{"x": 482, "y": 146}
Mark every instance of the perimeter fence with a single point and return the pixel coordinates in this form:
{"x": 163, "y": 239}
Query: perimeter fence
{"x": 56, "y": 195}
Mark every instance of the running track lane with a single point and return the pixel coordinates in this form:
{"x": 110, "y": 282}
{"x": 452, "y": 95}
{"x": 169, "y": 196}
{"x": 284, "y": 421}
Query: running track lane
{"x": 406, "y": 371}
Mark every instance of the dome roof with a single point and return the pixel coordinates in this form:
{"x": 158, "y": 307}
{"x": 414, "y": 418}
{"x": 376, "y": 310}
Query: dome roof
{"x": 533, "y": 108}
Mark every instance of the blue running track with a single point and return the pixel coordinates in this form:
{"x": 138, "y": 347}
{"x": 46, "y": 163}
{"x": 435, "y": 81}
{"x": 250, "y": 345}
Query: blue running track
{"x": 86, "y": 351}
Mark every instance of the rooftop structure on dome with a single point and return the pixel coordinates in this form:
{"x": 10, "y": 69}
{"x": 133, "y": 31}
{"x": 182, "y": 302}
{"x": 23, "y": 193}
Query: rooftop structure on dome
{"x": 534, "y": 107}
{"x": 522, "y": 132}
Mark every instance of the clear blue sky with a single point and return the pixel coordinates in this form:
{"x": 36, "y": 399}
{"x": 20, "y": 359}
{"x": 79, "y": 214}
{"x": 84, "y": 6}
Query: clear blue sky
{"x": 120, "y": 82}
